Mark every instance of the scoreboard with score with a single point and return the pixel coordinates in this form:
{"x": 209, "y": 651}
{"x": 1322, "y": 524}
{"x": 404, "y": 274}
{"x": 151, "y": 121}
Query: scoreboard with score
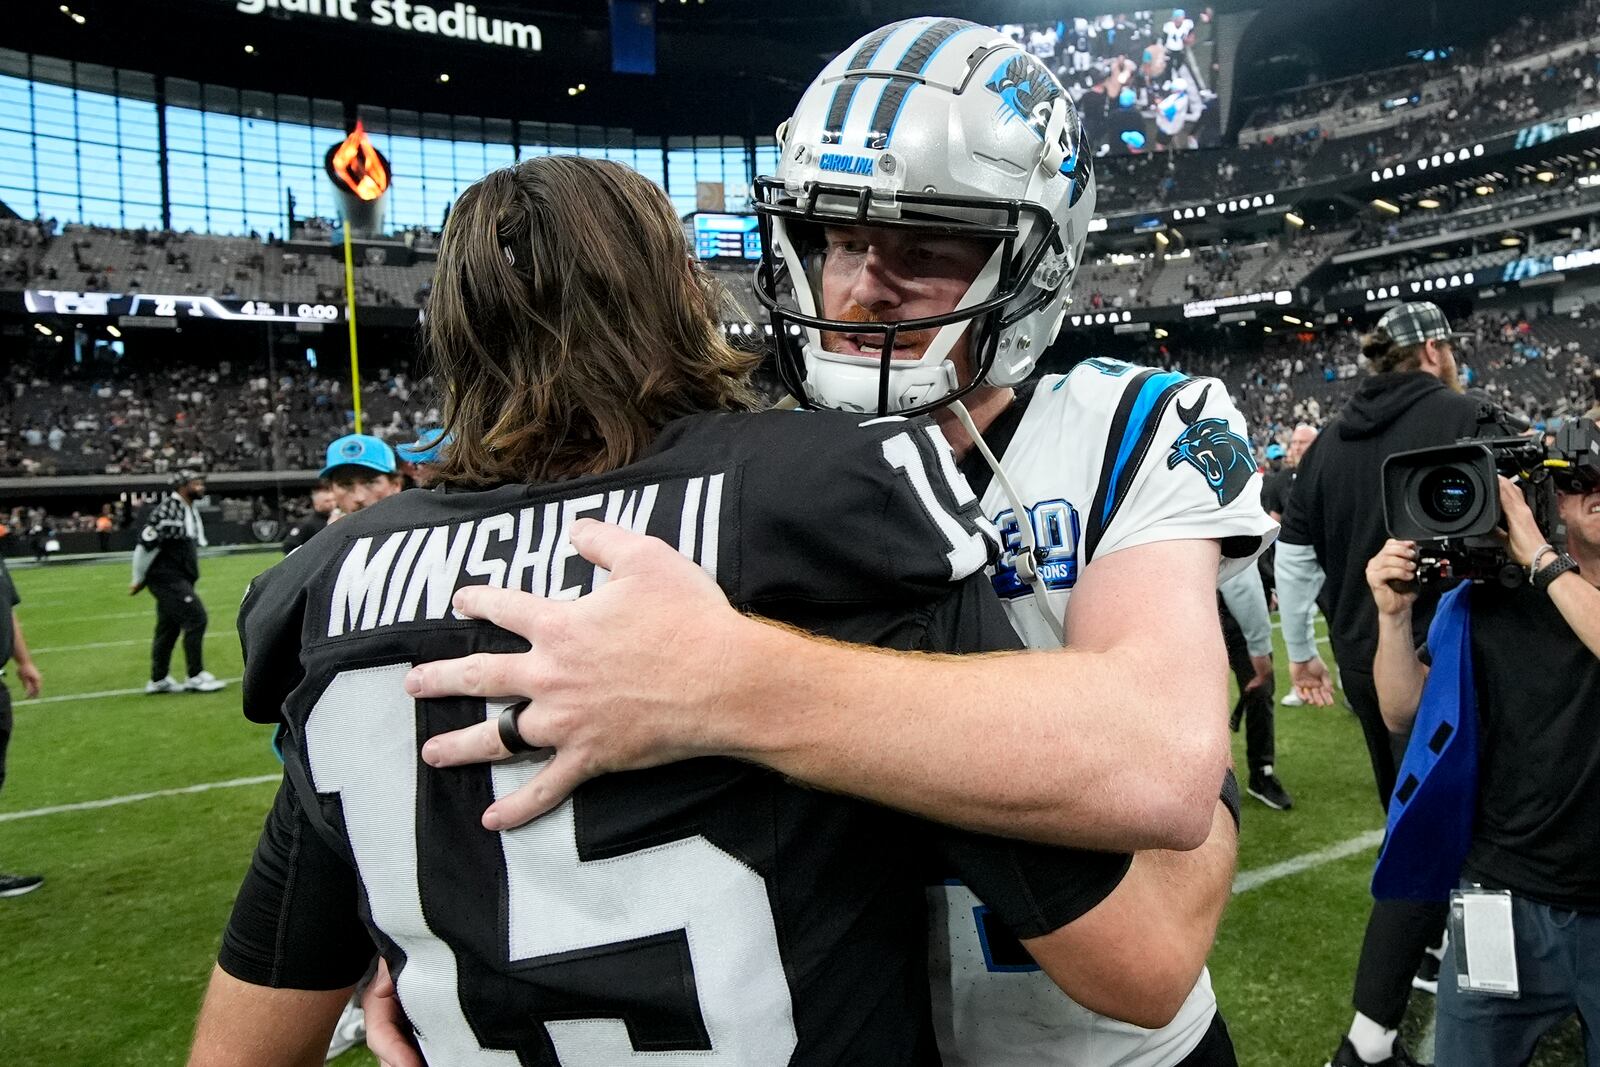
{"x": 726, "y": 237}
{"x": 150, "y": 305}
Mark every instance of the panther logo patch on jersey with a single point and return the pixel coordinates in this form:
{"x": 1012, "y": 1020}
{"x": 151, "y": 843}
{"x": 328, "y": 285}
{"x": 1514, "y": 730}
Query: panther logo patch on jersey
{"x": 1211, "y": 446}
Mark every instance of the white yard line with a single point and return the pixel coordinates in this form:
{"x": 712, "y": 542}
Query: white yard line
{"x": 1245, "y": 881}
{"x": 119, "y": 644}
{"x": 132, "y": 798}
{"x": 95, "y": 696}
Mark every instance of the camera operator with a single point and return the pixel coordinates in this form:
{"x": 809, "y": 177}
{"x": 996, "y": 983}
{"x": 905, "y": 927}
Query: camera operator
{"x": 1333, "y": 524}
{"x": 1536, "y": 831}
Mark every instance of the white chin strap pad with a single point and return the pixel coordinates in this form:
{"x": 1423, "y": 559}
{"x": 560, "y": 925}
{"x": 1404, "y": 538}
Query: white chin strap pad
{"x": 851, "y": 387}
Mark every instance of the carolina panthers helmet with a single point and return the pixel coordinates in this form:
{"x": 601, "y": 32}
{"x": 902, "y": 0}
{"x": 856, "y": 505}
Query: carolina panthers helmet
{"x": 945, "y": 127}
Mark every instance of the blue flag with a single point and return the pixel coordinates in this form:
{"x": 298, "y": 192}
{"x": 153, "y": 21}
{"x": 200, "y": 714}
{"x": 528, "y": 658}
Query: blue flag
{"x": 1436, "y": 793}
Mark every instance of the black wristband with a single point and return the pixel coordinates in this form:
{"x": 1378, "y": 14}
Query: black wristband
{"x": 1230, "y": 796}
{"x": 1551, "y": 571}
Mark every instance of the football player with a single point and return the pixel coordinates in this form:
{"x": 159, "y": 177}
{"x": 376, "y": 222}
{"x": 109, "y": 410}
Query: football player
{"x": 702, "y": 912}
{"x": 919, "y": 239}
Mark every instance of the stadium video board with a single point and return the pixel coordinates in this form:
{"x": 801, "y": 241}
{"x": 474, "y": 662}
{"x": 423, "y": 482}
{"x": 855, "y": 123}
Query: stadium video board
{"x": 176, "y": 307}
{"x": 1143, "y": 80}
{"x": 720, "y": 238}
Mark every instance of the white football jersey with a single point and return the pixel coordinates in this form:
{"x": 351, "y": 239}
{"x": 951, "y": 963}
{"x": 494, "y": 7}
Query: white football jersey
{"x": 1177, "y": 33}
{"x": 1107, "y": 457}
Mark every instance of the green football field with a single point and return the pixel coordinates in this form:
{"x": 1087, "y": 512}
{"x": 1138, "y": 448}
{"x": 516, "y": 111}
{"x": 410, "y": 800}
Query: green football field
{"x": 141, "y": 812}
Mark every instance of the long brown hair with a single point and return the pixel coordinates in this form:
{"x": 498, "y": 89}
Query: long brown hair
{"x": 568, "y": 324}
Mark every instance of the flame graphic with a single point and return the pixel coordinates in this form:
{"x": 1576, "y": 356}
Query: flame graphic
{"x": 358, "y": 166}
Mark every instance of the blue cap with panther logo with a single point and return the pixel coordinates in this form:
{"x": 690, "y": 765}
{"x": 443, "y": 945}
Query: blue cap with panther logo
{"x": 359, "y": 450}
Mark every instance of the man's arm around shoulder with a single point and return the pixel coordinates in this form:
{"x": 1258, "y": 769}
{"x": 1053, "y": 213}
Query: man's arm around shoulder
{"x": 1137, "y": 956}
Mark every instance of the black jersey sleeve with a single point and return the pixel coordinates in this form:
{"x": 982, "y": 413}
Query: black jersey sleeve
{"x": 295, "y": 922}
{"x": 1033, "y": 889}
{"x": 270, "y": 624}
{"x": 1302, "y": 519}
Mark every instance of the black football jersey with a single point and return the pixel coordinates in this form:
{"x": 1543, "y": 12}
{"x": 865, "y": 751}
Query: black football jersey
{"x": 707, "y": 912}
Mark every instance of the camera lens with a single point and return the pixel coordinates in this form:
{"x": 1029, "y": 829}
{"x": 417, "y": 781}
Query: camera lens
{"x": 1447, "y": 494}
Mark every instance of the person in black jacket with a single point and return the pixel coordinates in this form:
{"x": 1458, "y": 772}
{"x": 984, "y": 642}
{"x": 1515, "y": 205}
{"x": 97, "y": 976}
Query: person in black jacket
{"x": 1333, "y": 526}
{"x": 166, "y": 561}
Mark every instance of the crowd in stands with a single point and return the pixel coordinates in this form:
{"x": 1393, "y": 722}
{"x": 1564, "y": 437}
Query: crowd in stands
{"x": 227, "y": 417}
{"x": 1540, "y": 369}
{"x": 1471, "y": 97}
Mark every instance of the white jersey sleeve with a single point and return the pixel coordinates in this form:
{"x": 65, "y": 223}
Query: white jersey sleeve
{"x": 1184, "y": 469}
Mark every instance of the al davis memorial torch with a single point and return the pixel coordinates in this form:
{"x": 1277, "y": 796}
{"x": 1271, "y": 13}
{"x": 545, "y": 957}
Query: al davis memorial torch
{"x": 360, "y": 174}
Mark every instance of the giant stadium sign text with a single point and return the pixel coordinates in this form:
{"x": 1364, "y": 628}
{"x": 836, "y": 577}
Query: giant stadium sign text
{"x": 461, "y": 22}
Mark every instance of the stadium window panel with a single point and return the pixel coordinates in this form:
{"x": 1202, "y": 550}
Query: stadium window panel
{"x": 188, "y": 217}
{"x": 766, "y": 158}
{"x": 57, "y": 206}
{"x": 497, "y": 155}
{"x": 22, "y": 201}
{"x": 141, "y": 216}
{"x": 99, "y": 172}
{"x": 56, "y": 164}
{"x": 16, "y": 148}
{"x": 681, "y": 176}
{"x": 137, "y": 127}
{"x": 259, "y": 140}
{"x": 16, "y": 102}
{"x": 102, "y": 213}
{"x": 469, "y": 163}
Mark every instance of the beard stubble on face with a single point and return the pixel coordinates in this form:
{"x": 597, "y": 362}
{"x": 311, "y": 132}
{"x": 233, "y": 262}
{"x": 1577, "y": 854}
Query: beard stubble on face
{"x": 914, "y": 341}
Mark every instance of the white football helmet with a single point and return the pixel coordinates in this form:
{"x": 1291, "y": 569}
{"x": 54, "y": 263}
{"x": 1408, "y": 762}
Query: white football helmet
{"x": 946, "y": 127}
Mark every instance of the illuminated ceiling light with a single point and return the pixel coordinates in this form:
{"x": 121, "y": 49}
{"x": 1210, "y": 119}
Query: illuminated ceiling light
{"x": 1428, "y": 285}
{"x": 65, "y": 10}
{"x": 1416, "y": 287}
{"x": 1428, "y": 202}
{"x": 1161, "y": 240}
{"x": 1435, "y": 160}
{"x": 1483, "y": 190}
{"x": 58, "y": 338}
{"x": 1160, "y": 333}
{"x": 113, "y": 331}
{"x": 1374, "y": 175}
{"x": 80, "y": 20}
{"x": 1270, "y": 198}
{"x": 1077, "y": 320}
{"x": 1455, "y": 280}
{"x": 1370, "y": 295}
{"x": 1546, "y": 175}
{"x": 1477, "y": 149}
{"x": 1422, "y": 164}
{"x": 1388, "y": 172}
{"x": 1200, "y": 211}
{"x": 1268, "y": 329}
{"x": 1385, "y": 206}
{"x": 1400, "y": 169}
{"x": 571, "y": 91}
{"x": 1293, "y": 220}
{"x": 42, "y": 328}
{"x": 249, "y": 49}
{"x": 1099, "y": 320}
{"x": 1291, "y": 318}
{"x": 444, "y": 79}
{"x": 582, "y": 88}
{"x": 1449, "y": 157}
{"x": 1256, "y": 202}
{"x": 1222, "y": 209}
{"x": 1510, "y": 240}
